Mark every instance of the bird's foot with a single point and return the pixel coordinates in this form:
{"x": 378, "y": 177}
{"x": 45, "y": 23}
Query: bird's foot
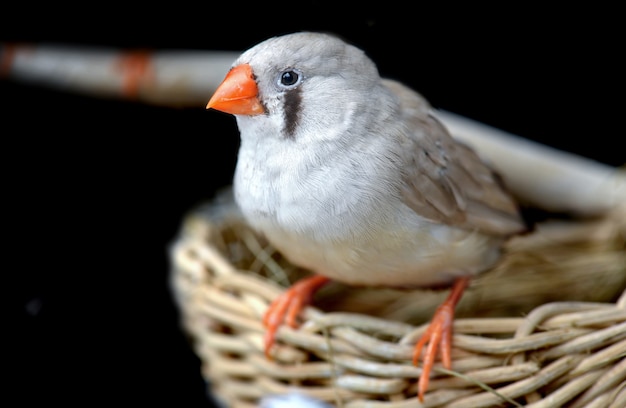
{"x": 438, "y": 333}
{"x": 287, "y": 307}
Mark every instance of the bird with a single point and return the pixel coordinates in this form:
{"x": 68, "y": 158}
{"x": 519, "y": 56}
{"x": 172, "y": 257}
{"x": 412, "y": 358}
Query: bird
{"x": 351, "y": 176}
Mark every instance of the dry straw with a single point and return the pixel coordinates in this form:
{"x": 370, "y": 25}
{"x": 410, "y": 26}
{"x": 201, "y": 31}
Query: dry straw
{"x": 546, "y": 328}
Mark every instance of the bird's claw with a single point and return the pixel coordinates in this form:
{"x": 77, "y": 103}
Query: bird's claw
{"x": 287, "y": 307}
{"x": 438, "y": 333}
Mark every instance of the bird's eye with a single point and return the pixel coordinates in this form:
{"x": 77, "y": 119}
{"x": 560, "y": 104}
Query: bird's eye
{"x": 289, "y": 78}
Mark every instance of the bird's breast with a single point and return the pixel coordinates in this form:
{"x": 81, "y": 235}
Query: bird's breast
{"x": 329, "y": 227}
{"x": 352, "y": 229}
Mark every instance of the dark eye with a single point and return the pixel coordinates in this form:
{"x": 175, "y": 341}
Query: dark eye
{"x": 289, "y": 78}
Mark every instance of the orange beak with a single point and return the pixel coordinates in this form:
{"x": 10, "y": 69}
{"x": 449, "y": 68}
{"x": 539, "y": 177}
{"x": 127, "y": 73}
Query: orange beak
{"x": 238, "y": 93}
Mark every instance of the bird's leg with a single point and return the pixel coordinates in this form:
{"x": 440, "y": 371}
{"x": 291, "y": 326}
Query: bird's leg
{"x": 439, "y": 332}
{"x": 288, "y": 305}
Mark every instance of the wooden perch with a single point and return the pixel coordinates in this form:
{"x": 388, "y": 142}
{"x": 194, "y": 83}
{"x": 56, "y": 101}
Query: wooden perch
{"x": 544, "y": 177}
{"x": 169, "y": 78}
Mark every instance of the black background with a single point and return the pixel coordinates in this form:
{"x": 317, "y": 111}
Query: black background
{"x": 95, "y": 189}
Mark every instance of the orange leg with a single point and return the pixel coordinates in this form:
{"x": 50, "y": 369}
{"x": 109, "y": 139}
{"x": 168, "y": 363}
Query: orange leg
{"x": 288, "y": 305}
{"x": 439, "y": 332}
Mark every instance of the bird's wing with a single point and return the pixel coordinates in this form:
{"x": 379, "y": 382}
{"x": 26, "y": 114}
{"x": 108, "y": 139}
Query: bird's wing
{"x": 445, "y": 181}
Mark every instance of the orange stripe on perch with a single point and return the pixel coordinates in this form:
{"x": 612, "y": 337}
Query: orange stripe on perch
{"x": 136, "y": 70}
{"x": 6, "y": 58}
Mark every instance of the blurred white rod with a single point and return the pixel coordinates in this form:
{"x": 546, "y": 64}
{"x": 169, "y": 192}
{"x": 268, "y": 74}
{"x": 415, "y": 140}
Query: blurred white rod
{"x": 171, "y": 78}
{"x": 540, "y": 175}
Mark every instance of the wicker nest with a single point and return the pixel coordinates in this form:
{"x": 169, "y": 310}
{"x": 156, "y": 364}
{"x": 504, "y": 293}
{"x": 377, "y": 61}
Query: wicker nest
{"x": 546, "y": 328}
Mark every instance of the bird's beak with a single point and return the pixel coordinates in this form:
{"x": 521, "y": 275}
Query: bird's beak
{"x": 238, "y": 93}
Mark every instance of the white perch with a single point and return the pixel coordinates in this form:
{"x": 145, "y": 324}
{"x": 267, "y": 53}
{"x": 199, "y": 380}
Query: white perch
{"x": 170, "y": 78}
{"x": 539, "y": 175}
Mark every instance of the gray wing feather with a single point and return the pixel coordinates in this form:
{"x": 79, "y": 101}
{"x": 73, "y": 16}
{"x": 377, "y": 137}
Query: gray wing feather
{"x": 446, "y": 181}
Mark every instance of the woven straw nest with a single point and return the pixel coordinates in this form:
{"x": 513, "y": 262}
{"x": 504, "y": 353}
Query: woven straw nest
{"x": 546, "y": 328}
